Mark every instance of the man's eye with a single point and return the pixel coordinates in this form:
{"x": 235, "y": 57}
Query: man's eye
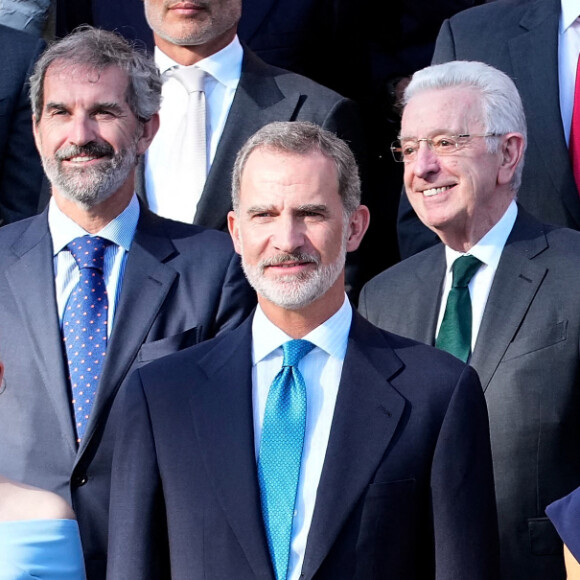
{"x": 104, "y": 114}
{"x": 408, "y": 150}
{"x": 444, "y": 143}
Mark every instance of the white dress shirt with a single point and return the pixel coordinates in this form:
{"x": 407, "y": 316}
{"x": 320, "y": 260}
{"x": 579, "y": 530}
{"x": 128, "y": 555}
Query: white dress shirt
{"x": 223, "y": 75}
{"x": 488, "y": 250}
{"x": 568, "y": 51}
{"x": 321, "y": 369}
{"x": 63, "y": 230}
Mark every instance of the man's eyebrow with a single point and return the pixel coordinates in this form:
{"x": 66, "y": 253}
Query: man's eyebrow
{"x": 312, "y": 207}
{"x": 111, "y": 106}
{"x": 51, "y": 105}
{"x": 260, "y": 208}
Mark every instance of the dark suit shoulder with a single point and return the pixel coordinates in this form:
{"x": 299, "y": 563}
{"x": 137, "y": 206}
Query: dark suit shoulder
{"x": 196, "y": 361}
{"x": 287, "y": 80}
{"x": 410, "y": 267}
{"x": 24, "y": 41}
{"x": 17, "y": 237}
{"x": 182, "y": 234}
{"x": 500, "y": 14}
{"x": 372, "y": 339}
{"x": 423, "y": 374}
{"x": 484, "y": 32}
{"x": 538, "y": 240}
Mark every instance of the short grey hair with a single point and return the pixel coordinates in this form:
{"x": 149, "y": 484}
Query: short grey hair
{"x": 300, "y": 138}
{"x": 99, "y": 49}
{"x": 501, "y": 104}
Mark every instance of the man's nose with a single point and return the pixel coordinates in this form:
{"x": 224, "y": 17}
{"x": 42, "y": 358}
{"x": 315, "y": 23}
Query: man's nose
{"x": 289, "y": 234}
{"x": 426, "y": 161}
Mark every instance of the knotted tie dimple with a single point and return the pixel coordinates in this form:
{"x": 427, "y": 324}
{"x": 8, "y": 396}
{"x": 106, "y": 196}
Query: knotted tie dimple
{"x": 455, "y": 331}
{"x": 281, "y": 452}
{"x": 574, "y": 147}
{"x": 191, "y": 151}
{"x": 84, "y": 326}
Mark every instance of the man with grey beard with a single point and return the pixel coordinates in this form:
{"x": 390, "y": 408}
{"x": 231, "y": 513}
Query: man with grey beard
{"x": 96, "y": 285}
{"x": 310, "y": 443}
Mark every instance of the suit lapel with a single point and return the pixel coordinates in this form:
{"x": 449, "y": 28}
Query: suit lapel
{"x": 430, "y": 274}
{"x": 367, "y": 413}
{"x": 223, "y": 420}
{"x": 146, "y": 282}
{"x": 534, "y": 56}
{"x": 38, "y": 310}
{"x": 258, "y": 101}
{"x": 517, "y": 275}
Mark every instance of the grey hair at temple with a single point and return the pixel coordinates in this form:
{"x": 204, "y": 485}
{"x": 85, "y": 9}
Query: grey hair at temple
{"x": 91, "y": 48}
{"x": 300, "y": 138}
{"x": 501, "y": 105}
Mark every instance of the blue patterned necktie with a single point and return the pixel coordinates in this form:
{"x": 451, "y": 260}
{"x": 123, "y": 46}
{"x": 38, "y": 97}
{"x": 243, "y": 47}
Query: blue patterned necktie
{"x": 84, "y": 326}
{"x": 455, "y": 330}
{"x": 281, "y": 452}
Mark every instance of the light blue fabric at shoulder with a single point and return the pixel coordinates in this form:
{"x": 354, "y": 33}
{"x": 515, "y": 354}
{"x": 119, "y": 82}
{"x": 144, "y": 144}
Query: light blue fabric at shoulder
{"x": 41, "y": 550}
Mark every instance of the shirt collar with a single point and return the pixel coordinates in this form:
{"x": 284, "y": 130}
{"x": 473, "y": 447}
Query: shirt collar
{"x": 225, "y": 65}
{"x": 569, "y": 14}
{"x": 331, "y": 336}
{"x": 488, "y": 250}
{"x": 120, "y": 230}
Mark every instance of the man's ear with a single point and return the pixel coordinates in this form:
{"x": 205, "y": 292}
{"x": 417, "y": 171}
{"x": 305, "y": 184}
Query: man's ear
{"x": 150, "y": 129}
{"x": 512, "y": 151}
{"x": 233, "y": 227}
{"x": 358, "y": 225}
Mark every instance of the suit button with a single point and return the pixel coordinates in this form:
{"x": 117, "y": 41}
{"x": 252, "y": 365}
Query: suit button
{"x": 80, "y": 479}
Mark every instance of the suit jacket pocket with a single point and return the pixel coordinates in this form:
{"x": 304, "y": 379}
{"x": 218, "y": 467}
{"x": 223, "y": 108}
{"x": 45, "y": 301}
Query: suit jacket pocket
{"x": 168, "y": 345}
{"x": 544, "y": 539}
{"x": 540, "y": 338}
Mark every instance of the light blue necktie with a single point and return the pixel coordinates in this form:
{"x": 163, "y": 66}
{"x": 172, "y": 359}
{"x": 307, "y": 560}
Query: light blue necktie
{"x": 281, "y": 452}
{"x": 84, "y": 326}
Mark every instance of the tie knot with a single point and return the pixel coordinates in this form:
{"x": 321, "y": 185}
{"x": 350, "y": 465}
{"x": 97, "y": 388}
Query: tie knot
{"x": 464, "y": 268}
{"x": 191, "y": 77}
{"x": 89, "y": 251}
{"x": 295, "y": 351}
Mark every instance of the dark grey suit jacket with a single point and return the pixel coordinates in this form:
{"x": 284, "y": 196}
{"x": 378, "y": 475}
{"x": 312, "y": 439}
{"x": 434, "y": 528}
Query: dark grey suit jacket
{"x": 182, "y": 285}
{"x": 406, "y": 490}
{"x": 265, "y": 94}
{"x": 20, "y": 169}
{"x": 527, "y": 357}
{"x": 520, "y": 38}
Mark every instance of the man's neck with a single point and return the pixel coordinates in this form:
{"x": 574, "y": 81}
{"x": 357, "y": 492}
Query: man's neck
{"x": 298, "y": 323}
{"x": 190, "y": 55}
{"x": 94, "y": 219}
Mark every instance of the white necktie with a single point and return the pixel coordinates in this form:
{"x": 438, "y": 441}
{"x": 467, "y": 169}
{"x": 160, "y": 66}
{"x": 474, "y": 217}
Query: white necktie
{"x": 189, "y": 159}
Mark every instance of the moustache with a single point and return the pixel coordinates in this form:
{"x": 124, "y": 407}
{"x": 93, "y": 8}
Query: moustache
{"x": 292, "y": 257}
{"x": 186, "y": 3}
{"x": 91, "y": 149}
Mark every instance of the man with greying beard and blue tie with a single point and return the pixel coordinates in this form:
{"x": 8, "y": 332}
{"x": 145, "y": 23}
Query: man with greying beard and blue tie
{"x": 96, "y": 285}
{"x": 306, "y": 443}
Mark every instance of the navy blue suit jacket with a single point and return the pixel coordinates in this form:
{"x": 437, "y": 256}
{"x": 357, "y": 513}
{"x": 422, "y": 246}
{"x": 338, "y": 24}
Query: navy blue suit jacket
{"x": 406, "y": 490}
{"x": 182, "y": 284}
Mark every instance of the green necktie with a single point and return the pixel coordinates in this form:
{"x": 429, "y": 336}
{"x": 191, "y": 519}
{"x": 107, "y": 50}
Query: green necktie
{"x": 455, "y": 331}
